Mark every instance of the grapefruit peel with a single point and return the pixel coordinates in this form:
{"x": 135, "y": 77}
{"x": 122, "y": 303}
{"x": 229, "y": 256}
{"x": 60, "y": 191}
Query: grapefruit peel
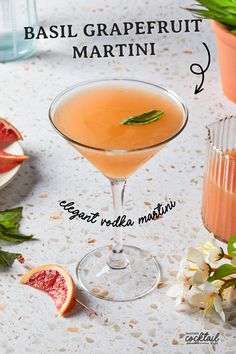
{"x": 8, "y": 133}
{"x": 9, "y": 161}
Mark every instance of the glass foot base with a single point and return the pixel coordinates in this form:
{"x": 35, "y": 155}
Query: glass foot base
{"x": 141, "y": 275}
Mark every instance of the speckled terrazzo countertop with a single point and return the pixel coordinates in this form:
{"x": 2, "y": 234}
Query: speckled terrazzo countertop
{"x": 28, "y": 322}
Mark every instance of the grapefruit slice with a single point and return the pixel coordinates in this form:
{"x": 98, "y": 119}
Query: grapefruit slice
{"x": 9, "y": 161}
{"x": 57, "y": 282}
{"x": 8, "y": 133}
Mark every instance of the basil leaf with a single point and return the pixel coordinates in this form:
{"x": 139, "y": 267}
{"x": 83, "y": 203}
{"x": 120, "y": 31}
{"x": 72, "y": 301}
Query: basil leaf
{"x": 223, "y": 271}
{"x": 14, "y": 237}
{"x": 4, "y": 229}
{"x": 7, "y": 258}
{"x": 232, "y": 246}
{"x": 144, "y": 118}
{"x": 10, "y": 218}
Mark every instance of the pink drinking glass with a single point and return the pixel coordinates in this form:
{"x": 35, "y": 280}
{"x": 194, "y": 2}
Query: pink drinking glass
{"x": 219, "y": 190}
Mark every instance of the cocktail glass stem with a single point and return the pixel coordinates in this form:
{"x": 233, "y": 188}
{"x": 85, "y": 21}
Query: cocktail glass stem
{"x": 117, "y": 259}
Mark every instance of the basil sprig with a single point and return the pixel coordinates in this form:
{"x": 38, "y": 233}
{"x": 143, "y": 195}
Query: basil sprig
{"x": 7, "y": 258}
{"x": 9, "y": 232}
{"x": 143, "y": 119}
{"x": 9, "y": 226}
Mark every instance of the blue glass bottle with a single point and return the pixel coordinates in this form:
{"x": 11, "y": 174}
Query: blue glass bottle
{"x": 14, "y": 16}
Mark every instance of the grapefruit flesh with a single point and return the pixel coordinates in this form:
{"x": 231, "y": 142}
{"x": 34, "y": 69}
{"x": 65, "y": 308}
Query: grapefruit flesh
{"x": 8, "y": 133}
{"x": 9, "y": 161}
{"x": 55, "y": 281}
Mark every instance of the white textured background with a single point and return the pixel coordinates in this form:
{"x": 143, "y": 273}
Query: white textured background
{"x": 28, "y": 320}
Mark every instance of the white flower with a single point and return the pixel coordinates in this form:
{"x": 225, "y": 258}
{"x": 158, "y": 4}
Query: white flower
{"x": 196, "y": 264}
{"x": 179, "y": 288}
{"x": 229, "y": 296}
{"x": 211, "y": 250}
{"x": 233, "y": 261}
{"x": 207, "y": 299}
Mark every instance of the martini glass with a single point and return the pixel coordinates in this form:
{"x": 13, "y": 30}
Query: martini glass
{"x": 117, "y": 272}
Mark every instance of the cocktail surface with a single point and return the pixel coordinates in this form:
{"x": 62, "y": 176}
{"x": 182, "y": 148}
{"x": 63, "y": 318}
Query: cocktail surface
{"x": 92, "y": 117}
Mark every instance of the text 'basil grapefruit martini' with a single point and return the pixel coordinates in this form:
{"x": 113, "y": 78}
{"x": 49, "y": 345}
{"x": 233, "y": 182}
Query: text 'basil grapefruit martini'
{"x": 118, "y": 125}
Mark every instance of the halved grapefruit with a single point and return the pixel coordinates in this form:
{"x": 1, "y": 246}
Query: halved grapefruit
{"x": 8, "y": 133}
{"x": 57, "y": 282}
{"x": 9, "y": 161}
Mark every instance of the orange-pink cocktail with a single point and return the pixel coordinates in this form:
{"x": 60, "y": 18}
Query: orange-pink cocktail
{"x": 92, "y": 117}
{"x": 219, "y": 191}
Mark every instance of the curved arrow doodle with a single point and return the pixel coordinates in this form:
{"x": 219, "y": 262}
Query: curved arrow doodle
{"x": 201, "y": 71}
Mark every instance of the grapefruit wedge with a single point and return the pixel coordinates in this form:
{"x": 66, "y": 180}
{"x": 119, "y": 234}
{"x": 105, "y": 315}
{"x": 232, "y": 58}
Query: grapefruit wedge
{"x": 55, "y": 281}
{"x": 8, "y": 133}
{"x": 9, "y": 161}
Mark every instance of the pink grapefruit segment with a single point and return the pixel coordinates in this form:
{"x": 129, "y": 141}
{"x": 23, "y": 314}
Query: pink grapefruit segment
{"x": 8, "y": 133}
{"x": 9, "y": 161}
{"x": 55, "y": 281}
